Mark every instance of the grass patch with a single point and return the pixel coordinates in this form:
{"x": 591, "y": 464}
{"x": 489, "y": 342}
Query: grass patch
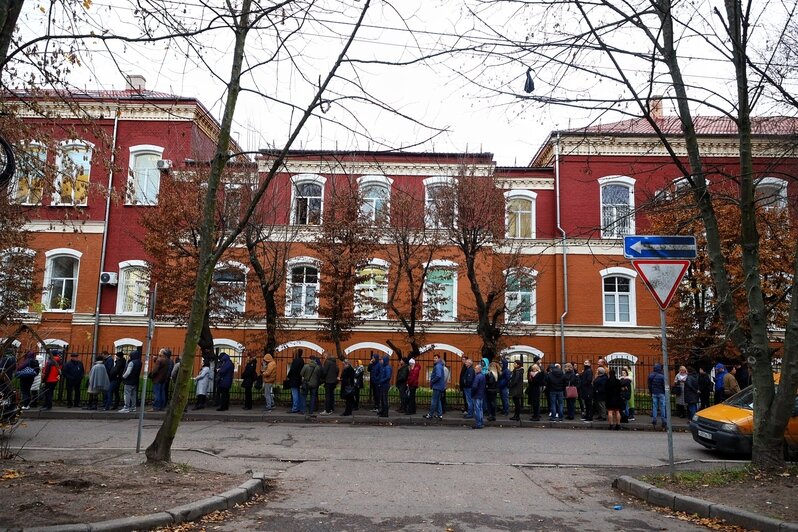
{"x": 714, "y": 478}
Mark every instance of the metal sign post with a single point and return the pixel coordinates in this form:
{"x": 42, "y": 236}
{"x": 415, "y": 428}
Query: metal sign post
{"x": 662, "y": 262}
{"x": 146, "y": 364}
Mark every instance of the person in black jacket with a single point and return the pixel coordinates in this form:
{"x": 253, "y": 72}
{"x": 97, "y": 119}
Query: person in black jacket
{"x": 586, "y": 391}
{"x": 115, "y": 376}
{"x": 536, "y": 379}
{"x": 600, "y": 394}
{"x": 555, "y": 386}
{"x": 613, "y": 397}
{"x": 348, "y": 387}
{"x": 517, "y": 389}
{"x": 130, "y": 378}
{"x": 692, "y": 392}
{"x": 294, "y": 377}
{"x": 248, "y": 377}
{"x": 329, "y": 375}
{"x": 705, "y": 388}
{"x": 401, "y": 384}
{"x": 73, "y": 373}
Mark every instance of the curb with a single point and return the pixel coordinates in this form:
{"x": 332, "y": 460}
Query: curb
{"x": 173, "y": 516}
{"x": 363, "y": 418}
{"x": 692, "y": 505}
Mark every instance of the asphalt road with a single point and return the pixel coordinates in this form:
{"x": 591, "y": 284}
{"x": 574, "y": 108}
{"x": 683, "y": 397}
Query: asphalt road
{"x": 339, "y": 477}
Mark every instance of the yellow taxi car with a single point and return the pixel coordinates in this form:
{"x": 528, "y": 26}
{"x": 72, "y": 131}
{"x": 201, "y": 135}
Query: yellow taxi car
{"x": 729, "y": 426}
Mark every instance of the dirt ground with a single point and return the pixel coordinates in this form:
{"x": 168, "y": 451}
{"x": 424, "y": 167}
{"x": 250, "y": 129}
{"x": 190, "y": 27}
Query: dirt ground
{"x": 50, "y": 493}
{"x": 774, "y": 495}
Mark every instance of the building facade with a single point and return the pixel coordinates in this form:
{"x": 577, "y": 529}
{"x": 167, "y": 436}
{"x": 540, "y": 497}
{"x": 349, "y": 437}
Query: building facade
{"x": 564, "y": 215}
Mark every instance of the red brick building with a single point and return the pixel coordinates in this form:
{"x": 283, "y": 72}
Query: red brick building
{"x": 566, "y": 213}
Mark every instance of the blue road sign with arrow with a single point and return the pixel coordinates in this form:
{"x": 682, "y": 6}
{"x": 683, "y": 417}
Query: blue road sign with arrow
{"x": 659, "y": 247}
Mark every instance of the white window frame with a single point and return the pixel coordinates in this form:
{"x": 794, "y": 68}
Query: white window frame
{"x": 48, "y": 271}
{"x": 383, "y": 312}
{"x": 430, "y": 183}
{"x": 533, "y": 313}
{"x": 527, "y": 195}
{"x": 631, "y": 275}
{"x": 124, "y": 268}
{"x": 619, "y": 180}
{"x": 290, "y": 265}
{"x": 380, "y": 180}
{"x": 245, "y": 270}
{"x": 142, "y": 149}
{"x": 63, "y": 147}
{"x": 234, "y": 350}
{"x": 449, "y": 265}
{"x": 29, "y": 148}
{"x": 781, "y": 195}
{"x": 300, "y": 180}
{"x": 48, "y": 344}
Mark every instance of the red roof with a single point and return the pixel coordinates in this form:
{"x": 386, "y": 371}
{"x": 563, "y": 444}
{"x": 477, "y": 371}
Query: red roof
{"x": 102, "y": 95}
{"x": 704, "y": 125}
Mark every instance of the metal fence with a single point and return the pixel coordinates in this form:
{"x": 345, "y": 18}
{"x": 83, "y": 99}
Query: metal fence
{"x": 282, "y": 395}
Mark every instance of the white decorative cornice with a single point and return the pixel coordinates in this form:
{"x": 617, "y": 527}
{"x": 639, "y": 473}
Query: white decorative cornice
{"x": 648, "y": 146}
{"x": 107, "y": 110}
{"x": 526, "y": 183}
{"x": 358, "y": 169}
{"x": 60, "y": 226}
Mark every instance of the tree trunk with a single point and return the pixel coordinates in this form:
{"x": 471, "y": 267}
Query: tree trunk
{"x": 271, "y": 320}
{"x": 160, "y": 450}
{"x": 9, "y": 13}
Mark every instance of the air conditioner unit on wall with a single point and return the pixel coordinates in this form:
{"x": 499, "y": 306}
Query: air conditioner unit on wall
{"x": 163, "y": 164}
{"x": 111, "y": 278}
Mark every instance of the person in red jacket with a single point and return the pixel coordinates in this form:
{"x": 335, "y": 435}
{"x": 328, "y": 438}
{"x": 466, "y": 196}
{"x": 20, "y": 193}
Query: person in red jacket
{"x": 412, "y": 386}
{"x": 50, "y": 376}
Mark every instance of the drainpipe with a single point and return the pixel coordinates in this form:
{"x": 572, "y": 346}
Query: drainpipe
{"x": 96, "y": 333}
{"x": 564, "y": 249}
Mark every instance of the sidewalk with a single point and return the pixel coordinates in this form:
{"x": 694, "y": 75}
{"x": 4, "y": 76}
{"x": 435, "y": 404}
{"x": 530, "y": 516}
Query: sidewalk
{"x": 364, "y": 416}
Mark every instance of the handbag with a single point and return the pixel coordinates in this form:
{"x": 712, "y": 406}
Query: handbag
{"x": 349, "y": 391}
{"x": 571, "y": 392}
{"x": 27, "y": 371}
{"x": 258, "y": 383}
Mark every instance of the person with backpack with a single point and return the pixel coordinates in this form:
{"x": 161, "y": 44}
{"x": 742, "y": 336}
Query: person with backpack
{"x": 73, "y": 373}
{"x": 27, "y": 370}
{"x": 478, "y": 387}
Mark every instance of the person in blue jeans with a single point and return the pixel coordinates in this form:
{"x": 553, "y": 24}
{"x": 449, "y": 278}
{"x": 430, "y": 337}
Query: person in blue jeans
{"x": 656, "y": 387}
{"x": 555, "y": 384}
{"x": 478, "y": 395}
{"x": 466, "y": 380}
{"x": 437, "y": 381}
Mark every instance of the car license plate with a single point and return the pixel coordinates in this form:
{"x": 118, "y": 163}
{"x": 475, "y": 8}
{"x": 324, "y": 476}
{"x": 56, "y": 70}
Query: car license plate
{"x": 706, "y": 435}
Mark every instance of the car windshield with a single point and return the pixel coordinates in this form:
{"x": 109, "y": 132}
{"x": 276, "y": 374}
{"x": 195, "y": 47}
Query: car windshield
{"x": 742, "y": 399}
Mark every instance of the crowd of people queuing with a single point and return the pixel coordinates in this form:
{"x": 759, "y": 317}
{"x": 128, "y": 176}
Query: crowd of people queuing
{"x": 488, "y": 387}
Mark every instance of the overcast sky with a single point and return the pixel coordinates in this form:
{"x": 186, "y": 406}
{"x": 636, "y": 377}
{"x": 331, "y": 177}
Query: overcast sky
{"x": 449, "y": 103}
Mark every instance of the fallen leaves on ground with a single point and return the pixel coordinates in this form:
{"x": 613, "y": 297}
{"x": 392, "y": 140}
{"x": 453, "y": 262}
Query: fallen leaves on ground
{"x": 707, "y": 522}
{"x": 10, "y": 474}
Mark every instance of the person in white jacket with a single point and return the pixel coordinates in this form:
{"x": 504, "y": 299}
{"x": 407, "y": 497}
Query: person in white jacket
{"x": 203, "y": 381}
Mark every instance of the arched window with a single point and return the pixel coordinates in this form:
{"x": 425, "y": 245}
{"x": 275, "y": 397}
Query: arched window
{"x": 144, "y": 177}
{"x": 307, "y": 200}
{"x": 520, "y": 213}
{"x": 375, "y": 192}
{"x": 371, "y": 292}
{"x": 520, "y": 296}
{"x": 302, "y": 291}
{"x": 232, "y": 348}
{"x": 440, "y": 291}
{"x": 618, "y": 288}
{"x": 617, "y": 206}
{"x": 134, "y": 286}
{"x": 229, "y": 289}
{"x": 61, "y": 279}
{"x": 28, "y": 185}
{"x": 439, "y": 210}
{"x": 73, "y": 169}
{"x": 771, "y": 193}
{"x": 127, "y": 345}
